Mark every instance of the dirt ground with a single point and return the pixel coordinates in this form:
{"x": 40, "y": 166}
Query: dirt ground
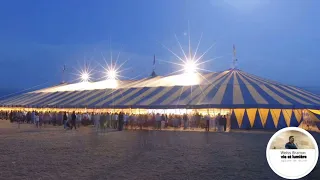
{"x": 53, "y": 153}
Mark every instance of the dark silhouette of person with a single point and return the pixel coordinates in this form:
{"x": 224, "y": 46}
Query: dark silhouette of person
{"x": 290, "y": 144}
{"x": 224, "y": 122}
{"x": 65, "y": 119}
{"x": 73, "y": 120}
{"x": 120, "y": 120}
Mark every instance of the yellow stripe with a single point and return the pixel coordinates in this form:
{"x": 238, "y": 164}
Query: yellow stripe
{"x": 175, "y": 95}
{"x": 112, "y": 97}
{"x": 31, "y": 99}
{"x": 315, "y": 111}
{"x": 195, "y": 93}
{"x": 291, "y": 96}
{"x": 287, "y": 113}
{"x": 140, "y": 96}
{"x": 297, "y": 89}
{"x": 239, "y": 115}
{"x": 222, "y": 89}
{"x": 298, "y": 114}
{"x": 307, "y": 93}
{"x": 251, "y": 115}
{"x": 237, "y": 94}
{"x": 313, "y": 117}
{"x": 284, "y": 92}
{"x": 216, "y": 80}
{"x": 75, "y": 94}
{"x": 275, "y": 113}
{"x": 302, "y": 95}
{"x": 270, "y": 93}
{"x": 144, "y": 83}
{"x": 157, "y": 96}
{"x": 57, "y": 98}
{"x": 76, "y": 97}
{"x": 39, "y": 101}
{"x": 263, "y": 116}
{"x": 85, "y": 99}
{"x": 207, "y": 78}
{"x": 254, "y": 93}
{"x": 123, "y": 98}
{"x": 15, "y": 99}
{"x": 133, "y": 83}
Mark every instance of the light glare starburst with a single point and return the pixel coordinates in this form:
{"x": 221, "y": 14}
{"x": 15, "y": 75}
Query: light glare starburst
{"x": 85, "y": 76}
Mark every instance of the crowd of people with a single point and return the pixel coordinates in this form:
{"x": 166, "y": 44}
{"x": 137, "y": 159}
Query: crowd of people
{"x": 120, "y": 120}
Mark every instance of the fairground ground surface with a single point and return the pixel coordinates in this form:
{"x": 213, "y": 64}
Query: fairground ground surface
{"x": 53, "y": 153}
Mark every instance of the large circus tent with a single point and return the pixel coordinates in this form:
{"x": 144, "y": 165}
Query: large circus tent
{"x": 253, "y": 102}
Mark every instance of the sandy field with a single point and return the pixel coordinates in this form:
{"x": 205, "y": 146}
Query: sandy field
{"x": 53, "y": 153}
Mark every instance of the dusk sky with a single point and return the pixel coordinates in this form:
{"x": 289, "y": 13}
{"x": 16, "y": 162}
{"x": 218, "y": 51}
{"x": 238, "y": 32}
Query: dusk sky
{"x": 275, "y": 39}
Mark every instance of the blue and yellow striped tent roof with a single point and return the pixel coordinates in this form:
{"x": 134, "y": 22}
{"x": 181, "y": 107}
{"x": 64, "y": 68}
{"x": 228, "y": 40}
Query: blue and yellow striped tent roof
{"x": 227, "y": 89}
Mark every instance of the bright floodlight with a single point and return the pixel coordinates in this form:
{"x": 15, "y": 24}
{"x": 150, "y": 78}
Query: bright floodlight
{"x": 112, "y": 74}
{"x": 85, "y": 77}
{"x": 190, "y": 67}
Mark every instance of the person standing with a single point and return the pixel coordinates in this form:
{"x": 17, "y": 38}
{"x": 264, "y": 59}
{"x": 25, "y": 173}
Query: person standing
{"x": 96, "y": 119}
{"x": 108, "y": 120}
{"x": 65, "y": 119}
{"x": 37, "y": 120}
{"x": 73, "y": 121}
{"x": 79, "y": 118}
{"x": 228, "y": 122}
{"x": 33, "y": 115}
{"x": 126, "y": 121}
{"x": 120, "y": 124}
{"x": 158, "y": 121}
{"x": 207, "y": 119}
{"x": 115, "y": 121}
{"x": 224, "y": 120}
{"x": 185, "y": 121}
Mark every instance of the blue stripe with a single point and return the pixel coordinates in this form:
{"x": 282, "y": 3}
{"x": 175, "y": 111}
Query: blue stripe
{"x": 305, "y": 93}
{"x": 282, "y": 122}
{"x": 52, "y": 100}
{"x": 195, "y": 98}
{"x": 208, "y": 98}
{"x": 14, "y": 99}
{"x": 264, "y": 94}
{"x": 297, "y": 104}
{"x": 82, "y": 95}
{"x": 257, "y": 122}
{"x": 100, "y": 93}
{"x": 48, "y": 99}
{"x": 247, "y": 97}
{"x": 245, "y": 121}
{"x": 7, "y": 99}
{"x": 166, "y": 95}
{"x": 283, "y": 95}
{"x": 154, "y": 93}
{"x": 115, "y": 98}
{"x": 84, "y": 101}
{"x": 295, "y": 95}
{"x": 34, "y": 102}
{"x": 143, "y": 90}
{"x": 105, "y": 95}
{"x": 228, "y": 94}
{"x": 29, "y": 98}
{"x": 179, "y": 99}
{"x": 269, "y": 122}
